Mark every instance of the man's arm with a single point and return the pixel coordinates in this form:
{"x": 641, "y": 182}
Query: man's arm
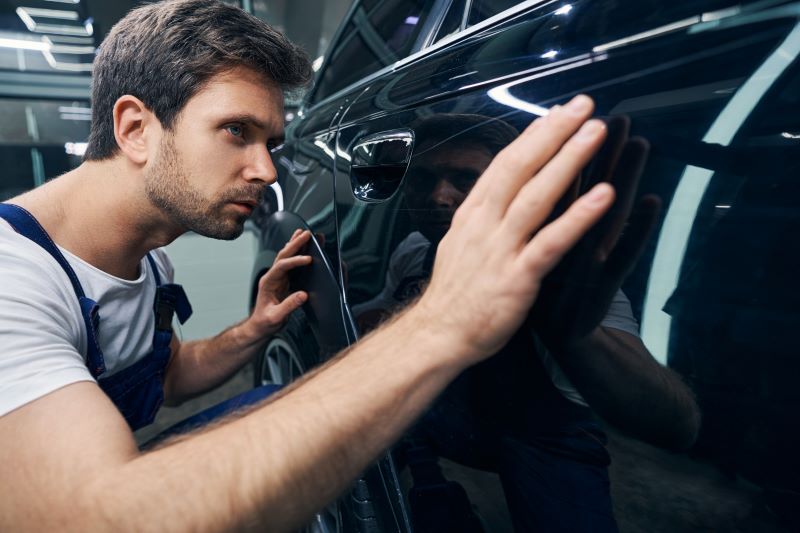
{"x": 613, "y": 370}
{"x": 68, "y": 461}
{"x": 620, "y": 379}
{"x": 198, "y": 366}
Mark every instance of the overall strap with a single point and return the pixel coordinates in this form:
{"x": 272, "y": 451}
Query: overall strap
{"x": 154, "y": 268}
{"x": 26, "y": 225}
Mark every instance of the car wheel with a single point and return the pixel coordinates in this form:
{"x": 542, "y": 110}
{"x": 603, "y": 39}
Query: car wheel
{"x": 289, "y": 354}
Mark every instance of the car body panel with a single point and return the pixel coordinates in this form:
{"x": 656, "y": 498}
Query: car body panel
{"x": 714, "y": 87}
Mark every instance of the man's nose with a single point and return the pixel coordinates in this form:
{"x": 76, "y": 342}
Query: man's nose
{"x": 260, "y": 167}
{"x": 445, "y": 195}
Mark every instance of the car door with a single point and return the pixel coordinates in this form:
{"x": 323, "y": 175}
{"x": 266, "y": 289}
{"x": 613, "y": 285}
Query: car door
{"x": 713, "y": 87}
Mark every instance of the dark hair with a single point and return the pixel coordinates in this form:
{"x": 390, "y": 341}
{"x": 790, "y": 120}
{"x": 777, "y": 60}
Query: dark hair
{"x": 164, "y": 53}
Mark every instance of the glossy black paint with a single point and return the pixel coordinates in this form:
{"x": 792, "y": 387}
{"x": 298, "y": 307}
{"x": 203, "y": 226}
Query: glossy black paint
{"x": 714, "y": 86}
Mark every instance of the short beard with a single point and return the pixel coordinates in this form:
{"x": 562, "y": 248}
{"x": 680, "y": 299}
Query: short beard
{"x": 169, "y": 189}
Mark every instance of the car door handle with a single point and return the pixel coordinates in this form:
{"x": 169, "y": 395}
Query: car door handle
{"x": 379, "y": 163}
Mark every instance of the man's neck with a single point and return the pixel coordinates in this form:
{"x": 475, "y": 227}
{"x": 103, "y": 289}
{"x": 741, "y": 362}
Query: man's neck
{"x": 100, "y": 213}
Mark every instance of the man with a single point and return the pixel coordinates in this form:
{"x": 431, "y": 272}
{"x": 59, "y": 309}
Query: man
{"x": 187, "y": 99}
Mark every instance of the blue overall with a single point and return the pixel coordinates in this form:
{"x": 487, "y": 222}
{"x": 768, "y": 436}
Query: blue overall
{"x": 138, "y": 390}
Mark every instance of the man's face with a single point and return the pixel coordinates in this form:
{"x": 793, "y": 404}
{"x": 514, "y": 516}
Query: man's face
{"x": 439, "y": 181}
{"x": 212, "y": 168}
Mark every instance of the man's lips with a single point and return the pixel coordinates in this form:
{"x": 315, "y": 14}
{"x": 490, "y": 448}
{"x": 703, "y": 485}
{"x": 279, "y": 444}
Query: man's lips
{"x": 245, "y": 205}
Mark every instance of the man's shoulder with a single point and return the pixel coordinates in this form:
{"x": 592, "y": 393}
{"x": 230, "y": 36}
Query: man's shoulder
{"x": 26, "y": 263}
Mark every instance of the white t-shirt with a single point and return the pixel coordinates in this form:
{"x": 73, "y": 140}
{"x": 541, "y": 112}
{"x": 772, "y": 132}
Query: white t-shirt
{"x": 42, "y": 332}
{"x": 408, "y": 260}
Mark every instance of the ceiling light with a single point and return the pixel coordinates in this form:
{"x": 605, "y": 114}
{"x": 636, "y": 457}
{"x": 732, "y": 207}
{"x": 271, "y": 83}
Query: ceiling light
{"x": 22, "y": 44}
{"x": 49, "y": 13}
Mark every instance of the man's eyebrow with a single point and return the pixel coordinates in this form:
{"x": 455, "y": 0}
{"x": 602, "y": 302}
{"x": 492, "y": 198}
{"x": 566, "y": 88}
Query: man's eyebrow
{"x": 245, "y": 118}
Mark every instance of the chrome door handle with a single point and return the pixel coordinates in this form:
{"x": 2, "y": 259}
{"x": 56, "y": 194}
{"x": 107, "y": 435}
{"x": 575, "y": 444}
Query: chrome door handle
{"x": 379, "y": 163}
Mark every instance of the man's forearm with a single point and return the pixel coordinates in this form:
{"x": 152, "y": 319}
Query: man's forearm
{"x": 339, "y": 420}
{"x": 619, "y": 378}
{"x": 199, "y": 366}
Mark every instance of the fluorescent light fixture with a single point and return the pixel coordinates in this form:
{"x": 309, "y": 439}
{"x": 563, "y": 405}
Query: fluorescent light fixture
{"x": 66, "y": 39}
{"x": 550, "y": 54}
{"x": 563, "y": 10}
{"x": 59, "y": 29}
{"x": 78, "y": 149}
{"x": 78, "y": 116}
{"x": 49, "y": 13}
{"x": 71, "y": 67}
{"x": 22, "y": 44}
{"x": 76, "y": 110}
{"x": 69, "y": 48}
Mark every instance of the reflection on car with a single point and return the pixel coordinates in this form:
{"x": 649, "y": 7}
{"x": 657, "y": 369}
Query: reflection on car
{"x": 413, "y": 101}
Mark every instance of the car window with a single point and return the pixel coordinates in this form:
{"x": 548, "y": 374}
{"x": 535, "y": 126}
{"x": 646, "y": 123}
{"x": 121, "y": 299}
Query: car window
{"x": 483, "y": 9}
{"x": 452, "y": 22}
{"x": 377, "y": 34}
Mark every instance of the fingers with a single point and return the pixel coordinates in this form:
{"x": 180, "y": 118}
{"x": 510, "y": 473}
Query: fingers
{"x": 553, "y": 241}
{"x": 604, "y": 163}
{"x": 626, "y": 176}
{"x": 281, "y": 311}
{"x": 281, "y": 267}
{"x": 632, "y": 243}
{"x": 299, "y": 239}
{"x": 516, "y": 165}
{"x": 537, "y": 198}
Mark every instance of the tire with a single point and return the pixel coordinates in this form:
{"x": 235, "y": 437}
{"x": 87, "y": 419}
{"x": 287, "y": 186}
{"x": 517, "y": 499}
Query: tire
{"x": 288, "y": 355}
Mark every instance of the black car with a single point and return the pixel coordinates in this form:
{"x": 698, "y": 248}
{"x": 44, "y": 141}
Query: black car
{"x": 416, "y": 96}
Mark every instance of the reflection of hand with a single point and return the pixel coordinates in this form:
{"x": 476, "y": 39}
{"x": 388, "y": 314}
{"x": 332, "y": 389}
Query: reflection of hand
{"x": 488, "y": 269}
{"x": 274, "y": 304}
{"x": 576, "y": 296}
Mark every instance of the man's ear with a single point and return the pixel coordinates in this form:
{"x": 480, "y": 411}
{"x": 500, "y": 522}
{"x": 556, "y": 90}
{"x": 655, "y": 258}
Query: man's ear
{"x": 136, "y": 129}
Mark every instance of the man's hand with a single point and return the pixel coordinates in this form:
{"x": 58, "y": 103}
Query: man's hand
{"x": 274, "y": 303}
{"x": 490, "y": 265}
{"x": 199, "y": 366}
{"x": 576, "y": 296}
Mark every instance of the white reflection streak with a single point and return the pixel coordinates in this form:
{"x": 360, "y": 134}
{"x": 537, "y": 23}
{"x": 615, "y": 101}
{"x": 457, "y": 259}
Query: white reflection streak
{"x": 680, "y": 217}
{"x": 278, "y": 194}
{"x": 341, "y": 153}
{"x": 501, "y": 94}
{"x": 324, "y": 147}
{"x": 648, "y": 34}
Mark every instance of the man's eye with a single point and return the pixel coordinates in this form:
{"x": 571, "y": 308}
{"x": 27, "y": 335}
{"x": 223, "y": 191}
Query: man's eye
{"x": 234, "y": 130}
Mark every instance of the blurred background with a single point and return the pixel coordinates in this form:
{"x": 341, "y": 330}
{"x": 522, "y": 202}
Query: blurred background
{"x": 46, "y": 53}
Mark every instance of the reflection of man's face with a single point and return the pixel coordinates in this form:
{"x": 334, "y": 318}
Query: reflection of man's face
{"x": 439, "y": 180}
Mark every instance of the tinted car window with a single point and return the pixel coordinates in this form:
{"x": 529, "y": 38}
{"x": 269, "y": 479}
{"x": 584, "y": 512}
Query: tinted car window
{"x": 483, "y": 9}
{"x": 452, "y": 22}
{"x": 378, "y": 34}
